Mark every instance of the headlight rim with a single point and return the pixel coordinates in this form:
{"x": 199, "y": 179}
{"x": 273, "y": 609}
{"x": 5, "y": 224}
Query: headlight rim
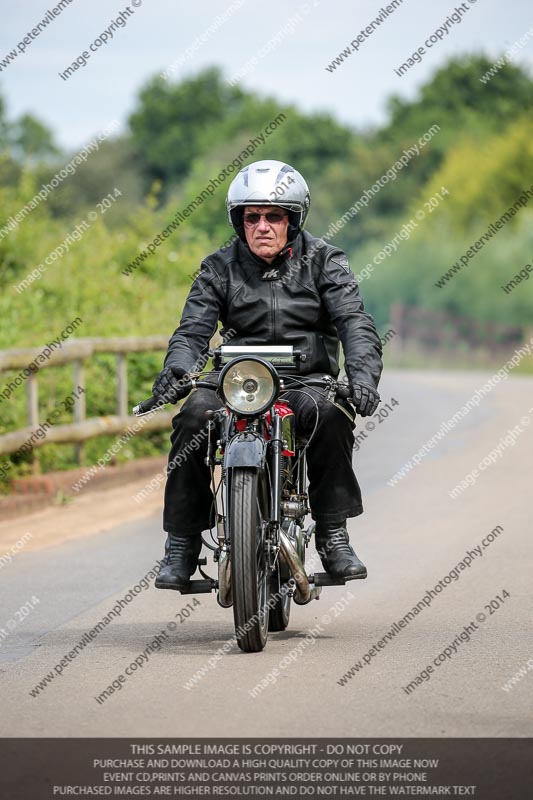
{"x": 257, "y": 359}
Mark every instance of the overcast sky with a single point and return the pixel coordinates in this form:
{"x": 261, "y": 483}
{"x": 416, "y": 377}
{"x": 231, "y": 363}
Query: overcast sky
{"x": 311, "y": 34}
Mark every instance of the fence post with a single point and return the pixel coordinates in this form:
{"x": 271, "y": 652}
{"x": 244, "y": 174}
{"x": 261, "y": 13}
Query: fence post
{"x": 79, "y": 406}
{"x": 398, "y": 318}
{"x": 122, "y": 385}
{"x": 32, "y": 415}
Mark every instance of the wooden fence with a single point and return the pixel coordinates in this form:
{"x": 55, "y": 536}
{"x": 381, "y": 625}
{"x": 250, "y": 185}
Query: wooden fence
{"x": 76, "y": 352}
{"x": 434, "y": 329}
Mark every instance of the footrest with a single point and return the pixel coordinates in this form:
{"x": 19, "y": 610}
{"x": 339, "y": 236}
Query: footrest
{"x": 323, "y": 579}
{"x": 200, "y": 587}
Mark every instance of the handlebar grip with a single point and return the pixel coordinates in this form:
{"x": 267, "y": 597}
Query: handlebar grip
{"x": 344, "y": 391}
{"x": 147, "y": 405}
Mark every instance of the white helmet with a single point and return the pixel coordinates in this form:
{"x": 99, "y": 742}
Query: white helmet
{"x": 268, "y": 183}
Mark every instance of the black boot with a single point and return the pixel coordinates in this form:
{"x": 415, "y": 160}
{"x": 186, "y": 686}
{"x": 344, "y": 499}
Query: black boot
{"x": 337, "y": 555}
{"x": 180, "y": 562}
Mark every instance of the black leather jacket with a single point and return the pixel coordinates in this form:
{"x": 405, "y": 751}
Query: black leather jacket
{"x": 307, "y": 297}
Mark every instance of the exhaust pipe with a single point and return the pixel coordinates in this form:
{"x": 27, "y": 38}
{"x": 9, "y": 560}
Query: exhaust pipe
{"x": 304, "y": 593}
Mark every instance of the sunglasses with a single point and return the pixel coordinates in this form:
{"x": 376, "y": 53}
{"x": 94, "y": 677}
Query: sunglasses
{"x": 273, "y": 217}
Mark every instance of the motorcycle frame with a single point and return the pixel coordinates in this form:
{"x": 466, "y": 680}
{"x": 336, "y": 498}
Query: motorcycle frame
{"x": 252, "y": 448}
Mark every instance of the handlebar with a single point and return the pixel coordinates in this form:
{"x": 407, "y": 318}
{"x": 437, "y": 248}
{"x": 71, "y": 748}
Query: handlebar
{"x": 145, "y": 406}
{"x": 152, "y": 403}
{"x": 342, "y": 392}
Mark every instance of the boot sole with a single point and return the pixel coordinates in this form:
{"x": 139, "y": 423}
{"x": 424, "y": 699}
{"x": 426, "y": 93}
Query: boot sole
{"x": 176, "y": 587}
{"x": 360, "y": 577}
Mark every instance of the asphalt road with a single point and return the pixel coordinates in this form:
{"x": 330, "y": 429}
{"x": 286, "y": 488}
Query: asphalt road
{"x": 411, "y": 536}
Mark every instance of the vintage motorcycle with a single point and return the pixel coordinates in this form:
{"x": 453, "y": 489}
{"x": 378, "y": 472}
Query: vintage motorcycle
{"x": 258, "y": 470}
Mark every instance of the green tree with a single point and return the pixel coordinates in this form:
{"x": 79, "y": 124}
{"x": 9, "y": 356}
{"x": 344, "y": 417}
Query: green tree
{"x": 176, "y": 124}
{"x": 31, "y": 139}
{"x": 485, "y": 178}
{"x": 116, "y": 164}
{"x": 457, "y": 100}
{"x": 4, "y": 126}
{"x": 171, "y": 119}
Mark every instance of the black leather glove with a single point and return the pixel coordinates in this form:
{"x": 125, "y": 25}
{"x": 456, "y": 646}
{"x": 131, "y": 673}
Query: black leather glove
{"x": 365, "y": 399}
{"x": 172, "y": 384}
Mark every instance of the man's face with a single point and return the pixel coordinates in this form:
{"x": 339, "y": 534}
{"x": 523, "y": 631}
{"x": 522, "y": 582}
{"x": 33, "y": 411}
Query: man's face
{"x": 265, "y": 239}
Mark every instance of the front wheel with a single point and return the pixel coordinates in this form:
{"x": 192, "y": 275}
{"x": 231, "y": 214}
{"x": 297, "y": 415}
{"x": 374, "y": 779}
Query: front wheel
{"x": 248, "y": 513}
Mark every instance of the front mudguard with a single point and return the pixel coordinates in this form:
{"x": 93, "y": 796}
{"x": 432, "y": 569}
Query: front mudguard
{"x": 246, "y": 450}
{"x": 243, "y": 450}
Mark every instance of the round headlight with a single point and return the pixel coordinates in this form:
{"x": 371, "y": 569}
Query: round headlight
{"x": 249, "y": 385}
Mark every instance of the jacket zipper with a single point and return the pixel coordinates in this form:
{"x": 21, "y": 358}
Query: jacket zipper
{"x": 273, "y": 292}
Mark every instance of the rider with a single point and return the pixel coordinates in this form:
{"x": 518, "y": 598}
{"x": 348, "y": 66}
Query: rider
{"x": 275, "y": 284}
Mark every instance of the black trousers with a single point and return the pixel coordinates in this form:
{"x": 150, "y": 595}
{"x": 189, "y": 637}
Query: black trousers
{"x": 334, "y": 492}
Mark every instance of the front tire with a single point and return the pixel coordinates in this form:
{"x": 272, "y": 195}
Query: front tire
{"x": 248, "y": 513}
